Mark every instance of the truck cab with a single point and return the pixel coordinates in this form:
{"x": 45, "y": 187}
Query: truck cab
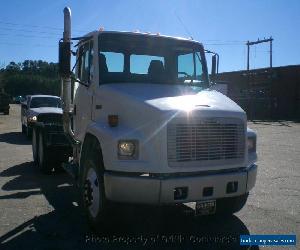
{"x": 148, "y": 128}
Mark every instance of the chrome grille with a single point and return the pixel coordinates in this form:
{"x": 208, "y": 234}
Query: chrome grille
{"x": 50, "y": 118}
{"x": 208, "y": 140}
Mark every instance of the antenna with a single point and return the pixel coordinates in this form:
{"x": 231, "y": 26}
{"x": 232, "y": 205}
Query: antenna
{"x": 183, "y": 25}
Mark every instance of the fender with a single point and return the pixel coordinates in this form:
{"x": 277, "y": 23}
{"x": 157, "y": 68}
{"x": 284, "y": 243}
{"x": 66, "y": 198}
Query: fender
{"x": 108, "y": 138}
{"x": 252, "y": 157}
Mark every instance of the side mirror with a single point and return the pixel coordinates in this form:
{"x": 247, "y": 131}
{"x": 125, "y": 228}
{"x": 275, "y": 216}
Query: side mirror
{"x": 213, "y": 65}
{"x": 64, "y": 59}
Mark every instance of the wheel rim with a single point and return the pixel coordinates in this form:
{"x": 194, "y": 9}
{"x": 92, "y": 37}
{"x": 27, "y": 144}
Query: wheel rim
{"x": 92, "y": 192}
{"x": 41, "y": 151}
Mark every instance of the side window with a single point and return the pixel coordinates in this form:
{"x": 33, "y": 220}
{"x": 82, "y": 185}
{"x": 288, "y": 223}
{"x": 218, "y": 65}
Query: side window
{"x": 91, "y": 67}
{"x": 85, "y": 65}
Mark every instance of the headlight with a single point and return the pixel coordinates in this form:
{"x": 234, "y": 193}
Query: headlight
{"x": 32, "y": 119}
{"x": 251, "y": 143}
{"x": 128, "y": 149}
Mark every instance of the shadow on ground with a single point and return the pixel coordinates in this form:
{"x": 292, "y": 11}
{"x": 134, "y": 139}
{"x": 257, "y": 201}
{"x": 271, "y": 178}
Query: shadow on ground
{"x": 15, "y": 138}
{"x": 129, "y": 227}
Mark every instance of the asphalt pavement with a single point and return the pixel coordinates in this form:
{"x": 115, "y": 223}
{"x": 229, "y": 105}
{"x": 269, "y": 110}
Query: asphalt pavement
{"x": 42, "y": 211}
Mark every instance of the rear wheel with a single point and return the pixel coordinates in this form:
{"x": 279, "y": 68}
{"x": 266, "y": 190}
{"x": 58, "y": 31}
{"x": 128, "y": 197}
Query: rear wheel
{"x": 35, "y": 140}
{"x": 23, "y": 129}
{"x": 28, "y": 132}
{"x": 44, "y": 155}
{"x": 94, "y": 202}
{"x": 6, "y": 112}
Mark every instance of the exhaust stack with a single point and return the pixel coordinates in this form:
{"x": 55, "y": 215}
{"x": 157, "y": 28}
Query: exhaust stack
{"x": 66, "y": 80}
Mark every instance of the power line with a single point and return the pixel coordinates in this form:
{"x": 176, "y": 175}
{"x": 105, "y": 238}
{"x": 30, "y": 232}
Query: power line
{"x": 3, "y": 35}
{"x": 26, "y": 44}
{"x": 218, "y": 41}
{"x": 223, "y": 44}
{"x": 224, "y": 41}
{"x": 38, "y": 26}
{"x": 30, "y": 31}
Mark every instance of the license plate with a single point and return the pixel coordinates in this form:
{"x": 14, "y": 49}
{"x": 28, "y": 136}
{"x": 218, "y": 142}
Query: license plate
{"x": 205, "y": 207}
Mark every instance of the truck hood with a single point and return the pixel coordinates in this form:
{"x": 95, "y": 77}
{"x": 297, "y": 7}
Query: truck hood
{"x": 167, "y": 97}
{"x": 43, "y": 110}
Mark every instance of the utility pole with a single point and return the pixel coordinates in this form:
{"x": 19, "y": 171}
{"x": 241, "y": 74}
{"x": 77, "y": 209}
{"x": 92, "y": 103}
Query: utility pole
{"x": 248, "y": 55}
{"x": 251, "y": 100}
{"x": 270, "y": 40}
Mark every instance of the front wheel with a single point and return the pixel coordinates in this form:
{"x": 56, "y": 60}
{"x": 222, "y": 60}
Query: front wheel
{"x": 231, "y": 205}
{"x": 94, "y": 202}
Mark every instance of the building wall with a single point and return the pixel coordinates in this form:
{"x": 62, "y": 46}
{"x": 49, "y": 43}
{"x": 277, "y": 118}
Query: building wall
{"x": 265, "y": 93}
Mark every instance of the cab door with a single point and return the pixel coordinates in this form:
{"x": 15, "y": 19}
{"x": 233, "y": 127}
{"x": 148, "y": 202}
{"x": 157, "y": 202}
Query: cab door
{"x": 83, "y": 91}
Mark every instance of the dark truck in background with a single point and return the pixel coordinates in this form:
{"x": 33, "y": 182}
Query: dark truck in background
{"x": 4, "y": 103}
{"x": 41, "y": 115}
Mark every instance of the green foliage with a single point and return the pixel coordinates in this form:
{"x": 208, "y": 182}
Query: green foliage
{"x": 31, "y": 77}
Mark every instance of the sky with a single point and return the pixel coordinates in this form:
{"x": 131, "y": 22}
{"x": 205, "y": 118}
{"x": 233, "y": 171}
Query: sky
{"x": 31, "y": 29}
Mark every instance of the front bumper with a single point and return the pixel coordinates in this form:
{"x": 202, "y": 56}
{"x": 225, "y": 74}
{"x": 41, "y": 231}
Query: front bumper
{"x": 160, "y": 190}
{"x": 55, "y": 136}
{"x": 56, "y": 139}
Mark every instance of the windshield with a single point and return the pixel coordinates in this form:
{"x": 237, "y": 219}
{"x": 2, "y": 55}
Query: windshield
{"x": 39, "y": 102}
{"x": 151, "y": 59}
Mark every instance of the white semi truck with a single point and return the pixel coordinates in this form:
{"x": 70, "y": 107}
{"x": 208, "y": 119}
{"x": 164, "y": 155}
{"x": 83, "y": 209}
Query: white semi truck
{"x": 148, "y": 127}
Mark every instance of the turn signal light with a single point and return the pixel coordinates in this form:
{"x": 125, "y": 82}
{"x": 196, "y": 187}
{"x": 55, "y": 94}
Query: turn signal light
{"x": 113, "y": 120}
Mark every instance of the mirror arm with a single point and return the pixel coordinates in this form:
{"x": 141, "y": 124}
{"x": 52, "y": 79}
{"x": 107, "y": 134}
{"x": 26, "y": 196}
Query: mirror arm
{"x": 81, "y": 82}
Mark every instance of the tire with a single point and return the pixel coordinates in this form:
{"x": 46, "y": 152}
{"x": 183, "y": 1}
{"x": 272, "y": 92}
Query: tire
{"x": 28, "y": 132}
{"x": 229, "y": 206}
{"x": 23, "y": 129}
{"x": 35, "y": 143}
{"x": 94, "y": 202}
{"x": 6, "y": 112}
{"x": 44, "y": 154}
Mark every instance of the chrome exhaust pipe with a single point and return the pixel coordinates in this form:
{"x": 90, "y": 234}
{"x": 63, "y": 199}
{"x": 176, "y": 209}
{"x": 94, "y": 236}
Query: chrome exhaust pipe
{"x": 66, "y": 83}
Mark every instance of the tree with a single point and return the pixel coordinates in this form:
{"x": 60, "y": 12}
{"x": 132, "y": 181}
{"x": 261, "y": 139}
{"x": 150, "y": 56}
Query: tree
{"x": 31, "y": 77}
